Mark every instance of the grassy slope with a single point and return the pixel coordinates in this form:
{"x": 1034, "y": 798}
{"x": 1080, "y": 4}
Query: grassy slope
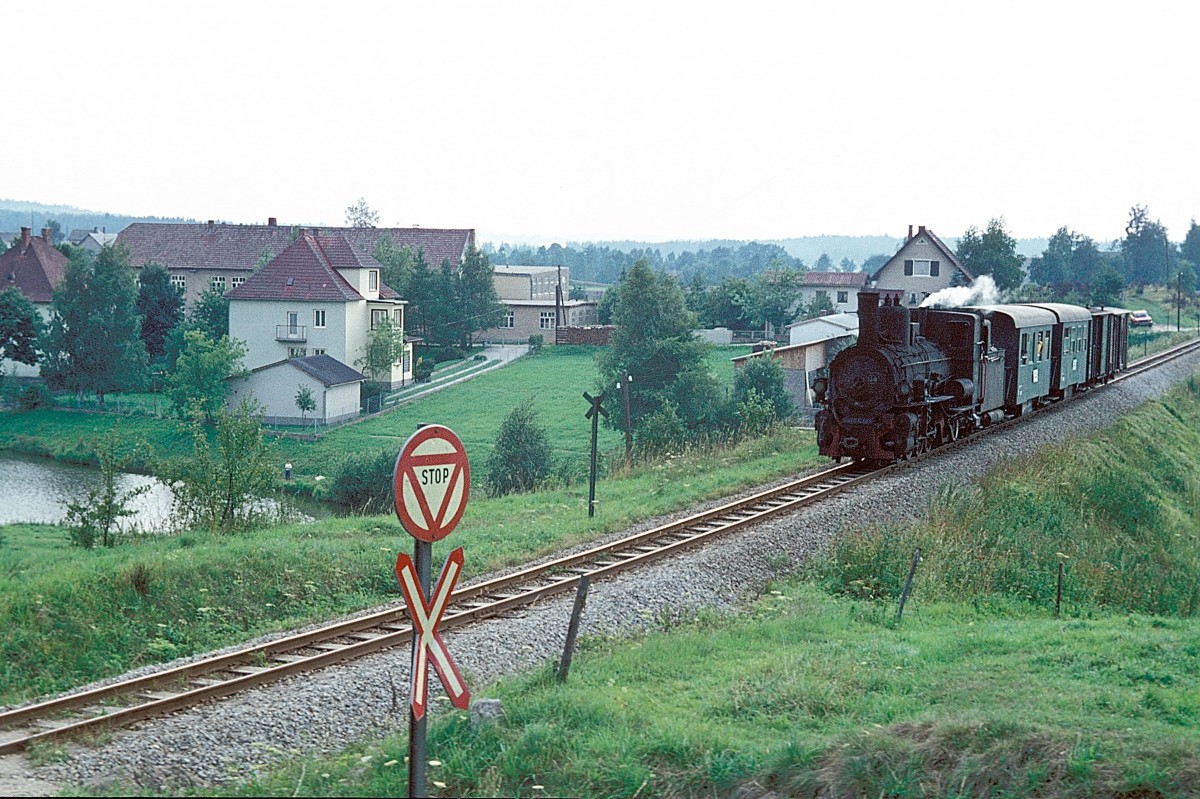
{"x": 812, "y": 694}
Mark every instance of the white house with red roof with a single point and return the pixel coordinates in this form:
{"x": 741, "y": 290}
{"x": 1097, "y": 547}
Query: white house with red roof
{"x": 34, "y": 267}
{"x": 320, "y": 296}
{"x": 922, "y": 266}
{"x": 840, "y": 287}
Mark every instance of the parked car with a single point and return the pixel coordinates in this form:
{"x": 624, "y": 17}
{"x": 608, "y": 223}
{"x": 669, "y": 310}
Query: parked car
{"x": 1140, "y": 319}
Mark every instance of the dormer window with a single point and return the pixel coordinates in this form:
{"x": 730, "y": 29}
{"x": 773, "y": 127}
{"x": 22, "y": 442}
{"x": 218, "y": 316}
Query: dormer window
{"x": 373, "y": 280}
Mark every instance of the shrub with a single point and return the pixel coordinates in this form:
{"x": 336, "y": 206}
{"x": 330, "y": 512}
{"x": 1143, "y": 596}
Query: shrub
{"x": 363, "y": 482}
{"x": 444, "y": 354}
{"x": 536, "y": 341}
{"x": 661, "y": 433}
{"x": 521, "y": 456}
{"x": 36, "y": 397}
{"x": 422, "y": 370}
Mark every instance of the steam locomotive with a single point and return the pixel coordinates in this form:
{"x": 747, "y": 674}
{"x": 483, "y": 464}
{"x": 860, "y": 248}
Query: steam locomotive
{"x": 918, "y": 378}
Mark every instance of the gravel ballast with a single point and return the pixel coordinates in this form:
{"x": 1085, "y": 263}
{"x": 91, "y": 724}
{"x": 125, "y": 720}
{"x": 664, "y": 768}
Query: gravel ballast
{"x": 324, "y": 711}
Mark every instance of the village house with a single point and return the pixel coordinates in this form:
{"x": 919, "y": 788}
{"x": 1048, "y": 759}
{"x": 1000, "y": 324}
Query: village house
{"x": 220, "y": 256}
{"x": 840, "y": 287}
{"x": 91, "y": 240}
{"x": 535, "y": 303}
{"x": 922, "y": 266}
{"x": 321, "y": 295}
{"x": 333, "y": 386}
{"x": 35, "y": 267}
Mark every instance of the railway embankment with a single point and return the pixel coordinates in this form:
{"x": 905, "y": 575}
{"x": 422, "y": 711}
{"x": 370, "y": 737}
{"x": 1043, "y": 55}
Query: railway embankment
{"x": 815, "y": 688}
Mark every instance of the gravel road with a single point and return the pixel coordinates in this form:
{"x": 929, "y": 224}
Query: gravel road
{"x": 324, "y": 711}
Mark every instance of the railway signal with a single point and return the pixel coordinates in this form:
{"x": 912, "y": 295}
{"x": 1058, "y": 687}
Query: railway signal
{"x": 594, "y": 413}
{"x": 426, "y": 615}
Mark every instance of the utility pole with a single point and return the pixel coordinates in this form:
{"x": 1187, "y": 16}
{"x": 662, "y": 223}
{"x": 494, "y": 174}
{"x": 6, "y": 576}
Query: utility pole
{"x": 1178, "y": 299}
{"x": 624, "y": 386}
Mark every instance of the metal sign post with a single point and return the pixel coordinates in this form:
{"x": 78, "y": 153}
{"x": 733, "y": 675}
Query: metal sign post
{"x": 430, "y": 484}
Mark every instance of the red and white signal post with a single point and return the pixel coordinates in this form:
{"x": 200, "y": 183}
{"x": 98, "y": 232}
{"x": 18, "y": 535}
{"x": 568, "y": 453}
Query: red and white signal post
{"x": 431, "y": 484}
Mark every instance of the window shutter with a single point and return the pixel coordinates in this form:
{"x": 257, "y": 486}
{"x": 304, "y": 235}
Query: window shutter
{"x": 934, "y": 266}
{"x": 908, "y": 267}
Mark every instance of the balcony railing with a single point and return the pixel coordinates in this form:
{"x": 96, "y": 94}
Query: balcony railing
{"x": 291, "y": 333}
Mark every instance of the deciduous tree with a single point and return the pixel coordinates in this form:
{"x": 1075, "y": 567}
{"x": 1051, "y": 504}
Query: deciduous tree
{"x": 361, "y": 215}
{"x": 992, "y": 252}
{"x": 521, "y": 457}
{"x": 1144, "y": 249}
{"x": 160, "y": 305}
{"x": 199, "y": 384}
{"x": 305, "y": 402}
{"x": 654, "y": 343}
{"x": 94, "y": 338}
{"x": 20, "y": 327}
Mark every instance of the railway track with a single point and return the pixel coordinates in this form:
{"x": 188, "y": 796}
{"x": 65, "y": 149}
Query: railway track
{"x": 128, "y": 701}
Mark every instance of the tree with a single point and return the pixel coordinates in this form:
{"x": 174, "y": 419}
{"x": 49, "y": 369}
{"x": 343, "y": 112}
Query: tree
{"x": 1190, "y": 250}
{"x": 160, "y": 304}
{"x": 1144, "y": 249}
{"x": 654, "y": 343}
{"x": 361, "y": 215}
{"x": 774, "y": 300}
{"x": 848, "y": 265}
{"x": 521, "y": 457}
{"x": 992, "y": 252}
{"x": 219, "y": 485}
{"x": 211, "y": 314}
{"x": 94, "y": 339}
{"x": 99, "y": 515}
{"x": 399, "y": 263}
{"x": 1106, "y": 287}
{"x": 478, "y": 305}
{"x": 20, "y": 328}
{"x": 1053, "y": 267}
{"x": 763, "y": 376}
{"x": 56, "y": 235}
{"x": 305, "y": 402}
{"x": 199, "y": 384}
{"x": 824, "y": 264}
{"x": 384, "y": 349}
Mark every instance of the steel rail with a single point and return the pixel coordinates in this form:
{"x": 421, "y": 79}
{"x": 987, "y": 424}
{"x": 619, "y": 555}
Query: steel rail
{"x": 194, "y": 683}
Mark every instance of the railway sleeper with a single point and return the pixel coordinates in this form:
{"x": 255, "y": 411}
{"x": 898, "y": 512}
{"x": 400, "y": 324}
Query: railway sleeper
{"x": 155, "y": 696}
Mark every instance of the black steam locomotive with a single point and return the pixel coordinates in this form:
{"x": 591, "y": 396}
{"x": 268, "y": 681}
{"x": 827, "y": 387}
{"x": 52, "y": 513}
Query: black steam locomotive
{"x": 918, "y": 378}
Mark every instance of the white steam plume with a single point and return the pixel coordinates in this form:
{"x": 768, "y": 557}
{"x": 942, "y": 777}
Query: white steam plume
{"x": 983, "y": 292}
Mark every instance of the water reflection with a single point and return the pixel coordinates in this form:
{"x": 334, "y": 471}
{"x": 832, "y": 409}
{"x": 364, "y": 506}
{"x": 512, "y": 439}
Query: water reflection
{"x": 38, "y": 490}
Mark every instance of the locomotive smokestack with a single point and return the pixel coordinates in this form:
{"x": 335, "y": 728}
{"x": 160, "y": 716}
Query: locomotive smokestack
{"x": 868, "y": 318}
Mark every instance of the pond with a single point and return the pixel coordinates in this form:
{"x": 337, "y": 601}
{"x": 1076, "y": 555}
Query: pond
{"x": 38, "y": 489}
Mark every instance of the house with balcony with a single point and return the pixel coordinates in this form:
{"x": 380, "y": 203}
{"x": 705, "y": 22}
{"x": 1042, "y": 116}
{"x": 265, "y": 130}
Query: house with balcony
{"x": 34, "y": 267}
{"x": 320, "y": 296}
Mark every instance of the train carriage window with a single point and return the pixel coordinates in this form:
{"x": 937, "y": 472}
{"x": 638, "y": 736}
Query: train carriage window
{"x": 1024, "y": 348}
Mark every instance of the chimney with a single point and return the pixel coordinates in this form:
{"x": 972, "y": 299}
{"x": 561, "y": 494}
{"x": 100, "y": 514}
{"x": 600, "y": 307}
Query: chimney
{"x": 868, "y": 318}
{"x": 909, "y": 234}
{"x": 921, "y": 230}
{"x": 48, "y": 235}
{"x": 26, "y": 235}
{"x": 271, "y": 221}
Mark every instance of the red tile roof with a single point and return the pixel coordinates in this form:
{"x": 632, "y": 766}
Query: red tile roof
{"x": 307, "y": 270}
{"x": 839, "y": 279}
{"x": 240, "y": 247}
{"x": 34, "y": 267}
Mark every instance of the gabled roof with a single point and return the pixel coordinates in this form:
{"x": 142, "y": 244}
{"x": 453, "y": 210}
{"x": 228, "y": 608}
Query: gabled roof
{"x": 35, "y": 267}
{"x": 836, "y": 279}
{"x": 938, "y": 243}
{"x": 329, "y": 370}
{"x": 241, "y": 247}
{"x": 308, "y": 270}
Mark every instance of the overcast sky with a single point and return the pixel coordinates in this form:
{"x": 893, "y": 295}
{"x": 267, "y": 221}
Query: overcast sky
{"x": 570, "y": 121}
